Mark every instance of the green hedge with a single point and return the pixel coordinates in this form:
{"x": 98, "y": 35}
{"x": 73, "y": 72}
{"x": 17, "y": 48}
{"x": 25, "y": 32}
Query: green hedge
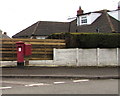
{"x": 89, "y": 40}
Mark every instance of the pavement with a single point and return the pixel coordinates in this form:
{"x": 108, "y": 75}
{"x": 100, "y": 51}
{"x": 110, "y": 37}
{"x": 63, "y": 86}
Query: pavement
{"x": 88, "y": 72}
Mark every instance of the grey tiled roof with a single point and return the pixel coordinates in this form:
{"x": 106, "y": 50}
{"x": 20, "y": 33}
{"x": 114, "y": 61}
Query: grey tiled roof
{"x": 3, "y": 36}
{"x": 43, "y": 28}
{"x": 105, "y": 23}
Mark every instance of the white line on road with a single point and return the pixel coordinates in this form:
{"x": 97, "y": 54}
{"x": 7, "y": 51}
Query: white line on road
{"x": 58, "y": 82}
{"x": 80, "y": 80}
{"x": 1, "y": 88}
{"x": 38, "y": 84}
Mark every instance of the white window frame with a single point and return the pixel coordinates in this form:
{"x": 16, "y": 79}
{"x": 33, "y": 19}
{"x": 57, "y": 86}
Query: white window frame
{"x": 84, "y": 20}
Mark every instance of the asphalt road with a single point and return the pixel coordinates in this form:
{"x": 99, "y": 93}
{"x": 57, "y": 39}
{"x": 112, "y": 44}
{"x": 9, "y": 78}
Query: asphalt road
{"x": 58, "y": 86}
{"x": 60, "y": 71}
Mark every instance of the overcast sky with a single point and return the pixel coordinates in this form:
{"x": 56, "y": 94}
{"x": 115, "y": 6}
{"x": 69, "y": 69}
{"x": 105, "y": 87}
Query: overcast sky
{"x": 16, "y": 15}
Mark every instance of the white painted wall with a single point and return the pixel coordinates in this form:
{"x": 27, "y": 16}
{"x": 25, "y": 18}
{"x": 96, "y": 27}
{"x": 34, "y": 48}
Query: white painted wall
{"x": 108, "y": 57}
{"x": 118, "y": 56}
{"x": 63, "y": 57}
{"x": 78, "y": 57}
{"x": 87, "y": 57}
{"x": 94, "y": 16}
{"x": 115, "y": 14}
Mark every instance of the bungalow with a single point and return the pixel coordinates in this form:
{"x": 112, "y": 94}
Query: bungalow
{"x": 41, "y": 29}
{"x": 4, "y": 35}
{"x": 103, "y": 21}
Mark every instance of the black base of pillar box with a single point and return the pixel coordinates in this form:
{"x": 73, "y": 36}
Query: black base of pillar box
{"x": 20, "y": 64}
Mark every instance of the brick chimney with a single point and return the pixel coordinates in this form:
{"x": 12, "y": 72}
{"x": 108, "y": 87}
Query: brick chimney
{"x": 80, "y": 11}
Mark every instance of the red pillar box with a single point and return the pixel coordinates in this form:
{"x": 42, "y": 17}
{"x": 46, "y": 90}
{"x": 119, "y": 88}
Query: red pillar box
{"x": 20, "y": 53}
{"x": 28, "y": 50}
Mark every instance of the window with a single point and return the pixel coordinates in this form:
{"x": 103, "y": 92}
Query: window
{"x": 84, "y": 20}
{"x": 41, "y": 37}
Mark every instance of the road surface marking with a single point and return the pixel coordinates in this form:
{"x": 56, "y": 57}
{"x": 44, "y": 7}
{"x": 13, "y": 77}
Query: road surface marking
{"x": 80, "y": 80}
{"x": 15, "y": 82}
{"x": 58, "y": 82}
{"x": 38, "y": 84}
{"x": 1, "y": 88}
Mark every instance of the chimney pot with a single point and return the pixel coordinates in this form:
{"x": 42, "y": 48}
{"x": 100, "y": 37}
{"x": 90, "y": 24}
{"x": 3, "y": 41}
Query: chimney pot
{"x": 5, "y": 33}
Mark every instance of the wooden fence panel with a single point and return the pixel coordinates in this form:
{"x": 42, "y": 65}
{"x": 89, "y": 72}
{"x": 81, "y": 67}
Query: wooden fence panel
{"x": 42, "y": 49}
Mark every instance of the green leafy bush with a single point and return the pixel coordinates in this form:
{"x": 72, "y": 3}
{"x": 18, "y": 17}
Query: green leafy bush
{"x": 89, "y": 40}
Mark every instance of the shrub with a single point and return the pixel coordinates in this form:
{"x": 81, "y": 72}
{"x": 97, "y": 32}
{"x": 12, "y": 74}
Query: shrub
{"x": 89, "y": 40}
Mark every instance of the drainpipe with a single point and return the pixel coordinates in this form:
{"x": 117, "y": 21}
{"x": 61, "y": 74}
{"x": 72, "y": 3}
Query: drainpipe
{"x": 69, "y": 27}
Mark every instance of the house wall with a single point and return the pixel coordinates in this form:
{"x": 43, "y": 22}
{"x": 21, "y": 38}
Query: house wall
{"x": 73, "y": 25}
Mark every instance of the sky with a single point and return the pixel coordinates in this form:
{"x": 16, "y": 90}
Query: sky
{"x": 16, "y": 15}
